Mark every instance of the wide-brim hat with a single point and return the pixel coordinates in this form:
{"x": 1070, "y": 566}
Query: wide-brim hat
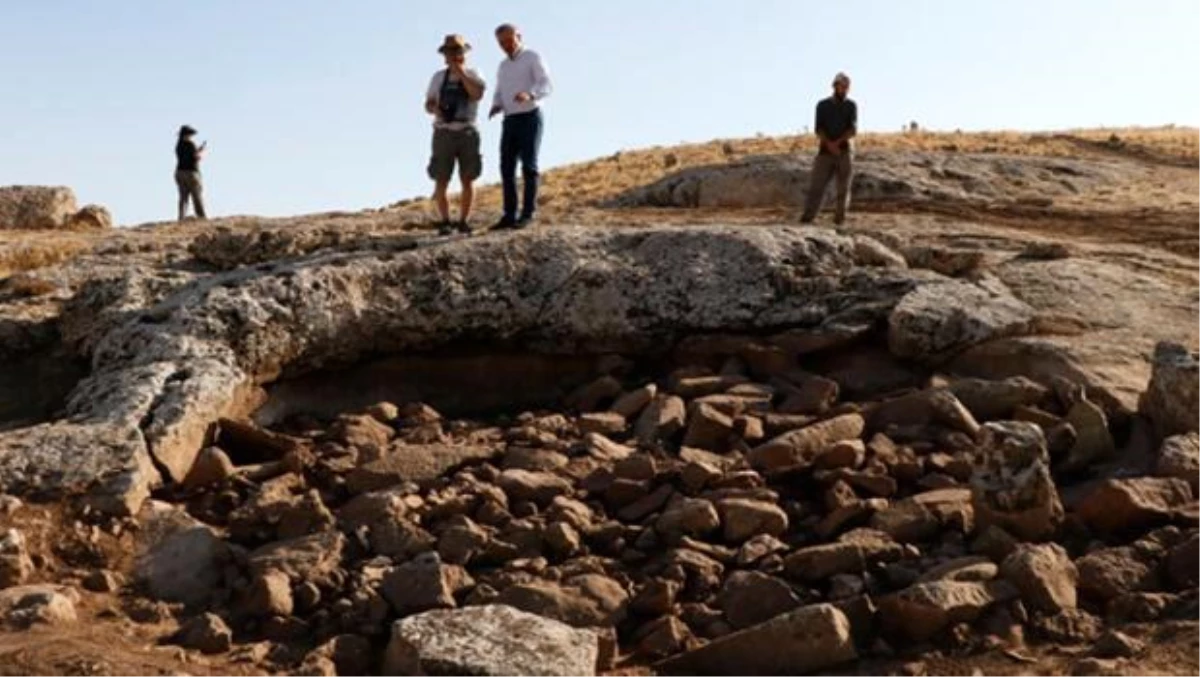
{"x": 454, "y": 42}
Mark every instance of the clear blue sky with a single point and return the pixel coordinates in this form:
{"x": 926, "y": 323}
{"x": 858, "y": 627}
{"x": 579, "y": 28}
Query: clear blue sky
{"x": 312, "y": 105}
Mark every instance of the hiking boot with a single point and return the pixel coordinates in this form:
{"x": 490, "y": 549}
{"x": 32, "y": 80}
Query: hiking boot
{"x": 525, "y": 221}
{"x": 444, "y": 227}
{"x": 462, "y": 227}
{"x": 505, "y": 223}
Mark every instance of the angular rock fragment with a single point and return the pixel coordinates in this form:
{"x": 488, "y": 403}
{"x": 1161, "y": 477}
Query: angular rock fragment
{"x": 1172, "y": 399}
{"x": 1180, "y": 457}
{"x": 921, "y": 611}
{"x": 1127, "y": 505}
{"x": 808, "y": 639}
{"x": 1011, "y": 486}
{"x": 799, "y": 448}
{"x": 661, "y": 419}
{"x": 492, "y": 639}
{"x": 1044, "y": 575}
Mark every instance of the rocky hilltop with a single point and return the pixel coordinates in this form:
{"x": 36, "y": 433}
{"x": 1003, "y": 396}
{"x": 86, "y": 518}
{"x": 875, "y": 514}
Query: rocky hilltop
{"x": 667, "y": 430}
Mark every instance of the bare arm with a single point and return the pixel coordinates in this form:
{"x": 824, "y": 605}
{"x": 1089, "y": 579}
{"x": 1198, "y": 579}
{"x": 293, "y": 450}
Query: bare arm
{"x": 431, "y": 95}
{"x": 471, "y": 82}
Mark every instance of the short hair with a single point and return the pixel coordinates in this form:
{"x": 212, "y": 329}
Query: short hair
{"x": 506, "y": 27}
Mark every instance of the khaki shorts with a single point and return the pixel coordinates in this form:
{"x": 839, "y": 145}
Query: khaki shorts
{"x": 455, "y": 145}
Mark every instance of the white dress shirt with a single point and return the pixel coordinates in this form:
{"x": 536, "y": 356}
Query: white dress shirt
{"x": 522, "y": 72}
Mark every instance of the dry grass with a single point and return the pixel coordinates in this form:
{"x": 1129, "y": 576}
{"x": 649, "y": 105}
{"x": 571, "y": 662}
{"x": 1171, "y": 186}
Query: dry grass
{"x": 25, "y": 251}
{"x": 25, "y": 285}
{"x": 590, "y": 183}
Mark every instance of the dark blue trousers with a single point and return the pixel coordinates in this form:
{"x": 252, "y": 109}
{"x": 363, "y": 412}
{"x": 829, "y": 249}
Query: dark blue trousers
{"x": 520, "y": 140}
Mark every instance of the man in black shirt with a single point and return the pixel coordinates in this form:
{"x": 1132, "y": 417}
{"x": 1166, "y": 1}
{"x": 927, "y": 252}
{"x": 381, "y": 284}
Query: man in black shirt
{"x": 836, "y": 125}
{"x": 187, "y": 172}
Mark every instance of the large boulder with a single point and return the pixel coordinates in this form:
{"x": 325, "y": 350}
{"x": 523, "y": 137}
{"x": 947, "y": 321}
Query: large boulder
{"x": 939, "y": 319}
{"x": 35, "y": 207}
{"x": 963, "y": 178}
{"x": 489, "y": 640}
{"x": 1097, "y": 322}
{"x": 90, "y": 217}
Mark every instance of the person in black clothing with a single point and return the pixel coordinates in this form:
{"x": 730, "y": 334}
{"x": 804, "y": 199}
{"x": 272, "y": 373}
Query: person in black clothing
{"x": 187, "y": 172}
{"x": 836, "y": 125}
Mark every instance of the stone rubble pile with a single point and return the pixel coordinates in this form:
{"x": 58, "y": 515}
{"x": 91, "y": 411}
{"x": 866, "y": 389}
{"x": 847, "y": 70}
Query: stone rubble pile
{"x": 717, "y": 519}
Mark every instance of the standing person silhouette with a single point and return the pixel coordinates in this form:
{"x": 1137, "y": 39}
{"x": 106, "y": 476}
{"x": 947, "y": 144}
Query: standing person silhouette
{"x": 452, "y": 98}
{"x": 187, "y": 172}
{"x": 521, "y": 83}
{"x": 836, "y": 125}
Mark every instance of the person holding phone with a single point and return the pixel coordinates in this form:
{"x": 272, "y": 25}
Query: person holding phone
{"x": 521, "y": 84}
{"x": 187, "y": 172}
{"x": 453, "y": 100}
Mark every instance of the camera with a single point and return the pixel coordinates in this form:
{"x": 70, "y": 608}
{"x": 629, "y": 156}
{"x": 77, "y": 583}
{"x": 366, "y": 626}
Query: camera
{"x": 451, "y": 103}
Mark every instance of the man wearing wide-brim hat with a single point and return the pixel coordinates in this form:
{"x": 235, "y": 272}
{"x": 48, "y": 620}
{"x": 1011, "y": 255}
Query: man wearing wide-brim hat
{"x": 453, "y": 100}
{"x": 836, "y": 125}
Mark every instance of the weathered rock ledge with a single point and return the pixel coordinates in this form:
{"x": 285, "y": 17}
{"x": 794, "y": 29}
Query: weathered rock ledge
{"x": 162, "y": 373}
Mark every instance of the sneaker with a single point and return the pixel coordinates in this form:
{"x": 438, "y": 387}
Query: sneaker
{"x": 444, "y": 228}
{"x": 462, "y": 227}
{"x": 505, "y": 223}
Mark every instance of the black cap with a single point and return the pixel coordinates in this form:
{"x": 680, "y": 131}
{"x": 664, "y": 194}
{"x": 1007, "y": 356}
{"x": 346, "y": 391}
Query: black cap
{"x": 186, "y": 130}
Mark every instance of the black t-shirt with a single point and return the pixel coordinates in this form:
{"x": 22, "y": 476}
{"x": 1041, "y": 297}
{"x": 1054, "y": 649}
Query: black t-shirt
{"x": 835, "y": 118}
{"x": 187, "y": 159}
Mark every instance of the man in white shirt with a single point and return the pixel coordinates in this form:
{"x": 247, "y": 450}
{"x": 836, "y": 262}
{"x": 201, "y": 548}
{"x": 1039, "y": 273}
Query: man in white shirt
{"x": 453, "y": 100}
{"x": 521, "y": 83}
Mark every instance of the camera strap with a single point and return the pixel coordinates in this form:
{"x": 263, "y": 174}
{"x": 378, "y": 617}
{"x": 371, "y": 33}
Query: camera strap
{"x": 445, "y": 99}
